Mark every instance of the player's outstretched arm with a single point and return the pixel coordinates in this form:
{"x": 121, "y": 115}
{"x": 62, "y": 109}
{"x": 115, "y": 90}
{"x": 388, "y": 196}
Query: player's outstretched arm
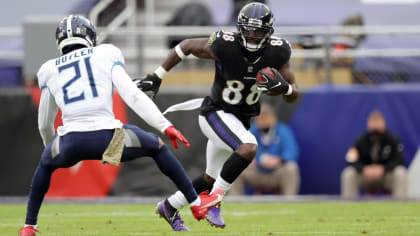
{"x": 46, "y": 116}
{"x": 144, "y": 106}
{"x": 198, "y": 47}
{"x": 288, "y": 75}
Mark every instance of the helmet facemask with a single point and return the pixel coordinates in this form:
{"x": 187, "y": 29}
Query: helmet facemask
{"x": 254, "y": 38}
{"x": 255, "y": 28}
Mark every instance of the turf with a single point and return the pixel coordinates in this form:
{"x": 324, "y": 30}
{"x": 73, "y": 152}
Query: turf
{"x": 335, "y": 218}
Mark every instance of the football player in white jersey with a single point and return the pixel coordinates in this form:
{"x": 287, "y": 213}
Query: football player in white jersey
{"x": 81, "y": 84}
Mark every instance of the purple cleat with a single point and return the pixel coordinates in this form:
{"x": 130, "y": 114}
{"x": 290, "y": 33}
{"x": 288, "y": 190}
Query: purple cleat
{"x": 215, "y": 218}
{"x": 172, "y": 217}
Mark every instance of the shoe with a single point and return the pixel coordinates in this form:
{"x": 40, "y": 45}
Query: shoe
{"x": 207, "y": 201}
{"x": 28, "y": 231}
{"x": 215, "y": 218}
{"x": 172, "y": 217}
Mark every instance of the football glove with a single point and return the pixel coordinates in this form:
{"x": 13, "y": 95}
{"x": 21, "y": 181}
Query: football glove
{"x": 277, "y": 84}
{"x": 149, "y": 84}
{"x": 174, "y": 135}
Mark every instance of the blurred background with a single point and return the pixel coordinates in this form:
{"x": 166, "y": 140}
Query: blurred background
{"x": 349, "y": 57}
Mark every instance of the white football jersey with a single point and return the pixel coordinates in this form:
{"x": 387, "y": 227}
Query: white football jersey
{"x": 81, "y": 84}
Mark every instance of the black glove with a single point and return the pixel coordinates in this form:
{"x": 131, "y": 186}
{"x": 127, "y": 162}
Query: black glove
{"x": 149, "y": 84}
{"x": 277, "y": 84}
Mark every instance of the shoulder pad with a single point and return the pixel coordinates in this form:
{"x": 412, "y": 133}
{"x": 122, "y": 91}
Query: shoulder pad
{"x": 109, "y": 48}
{"x": 111, "y": 51}
{"x": 280, "y": 42}
{"x": 225, "y": 36}
{"x": 223, "y": 43}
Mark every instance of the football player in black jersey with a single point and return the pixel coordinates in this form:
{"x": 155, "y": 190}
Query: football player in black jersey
{"x": 234, "y": 99}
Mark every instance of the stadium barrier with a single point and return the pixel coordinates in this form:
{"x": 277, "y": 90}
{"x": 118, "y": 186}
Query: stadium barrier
{"x": 326, "y": 120}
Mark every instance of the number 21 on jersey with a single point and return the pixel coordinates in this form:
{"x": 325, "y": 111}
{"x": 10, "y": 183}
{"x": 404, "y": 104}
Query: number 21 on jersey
{"x": 67, "y": 86}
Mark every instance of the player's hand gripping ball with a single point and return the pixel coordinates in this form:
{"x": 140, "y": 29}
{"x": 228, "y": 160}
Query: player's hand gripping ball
{"x": 270, "y": 80}
{"x": 267, "y": 71}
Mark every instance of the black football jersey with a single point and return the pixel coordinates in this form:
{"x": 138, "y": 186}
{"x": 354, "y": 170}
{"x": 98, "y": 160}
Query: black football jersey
{"x": 234, "y": 89}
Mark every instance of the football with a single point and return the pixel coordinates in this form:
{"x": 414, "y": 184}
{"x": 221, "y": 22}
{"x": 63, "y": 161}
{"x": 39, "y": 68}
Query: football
{"x": 260, "y": 78}
{"x": 266, "y": 70}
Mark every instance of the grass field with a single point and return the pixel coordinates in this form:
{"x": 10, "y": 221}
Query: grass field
{"x": 335, "y": 218}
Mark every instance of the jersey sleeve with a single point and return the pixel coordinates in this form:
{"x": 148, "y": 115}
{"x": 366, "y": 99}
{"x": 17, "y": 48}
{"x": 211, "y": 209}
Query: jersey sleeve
{"x": 353, "y": 156}
{"x": 44, "y": 74}
{"x": 281, "y": 50}
{"x": 287, "y": 48}
{"x": 220, "y": 41}
{"x": 46, "y": 116}
{"x": 289, "y": 149}
{"x": 114, "y": 54}
{"x": 397, "y": 154}
{"x": 138, "y": 100}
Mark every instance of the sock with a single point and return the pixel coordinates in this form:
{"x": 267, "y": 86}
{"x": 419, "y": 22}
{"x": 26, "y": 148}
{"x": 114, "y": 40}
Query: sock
{"x": 171, "y": 167}
{"x": 221, "y": 183}
{"x": 200, "y": 184}
{"x": 34, "y": 226}
{"x": 177, "y": 200}
{"x": 169, "y": 206}
{"x": 196, "y": 202}
{"x": 40, "y": 184}
{"x": 232, "y": 168}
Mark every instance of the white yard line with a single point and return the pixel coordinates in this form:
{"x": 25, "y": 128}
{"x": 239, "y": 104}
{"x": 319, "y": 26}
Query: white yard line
{"x": 151, "y": 213}
{"x": 10, "y": 225}
{"x": 93, "y": 214}
{"x": 60, "y": 234}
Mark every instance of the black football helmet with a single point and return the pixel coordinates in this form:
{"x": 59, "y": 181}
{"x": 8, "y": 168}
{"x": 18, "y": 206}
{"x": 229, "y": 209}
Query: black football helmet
{"x": 255, "y": 25}
{"x": 74, "y": 30}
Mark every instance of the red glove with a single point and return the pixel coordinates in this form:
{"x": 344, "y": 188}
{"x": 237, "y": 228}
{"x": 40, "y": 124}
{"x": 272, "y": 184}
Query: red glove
{"x": 174, "y": 134}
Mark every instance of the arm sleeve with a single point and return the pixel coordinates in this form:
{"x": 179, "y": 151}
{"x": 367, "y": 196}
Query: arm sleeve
{"x": 397, "y": 156}
{"x": 357, "y": 162}
{"x": 287, "y": 52}
{"x": 137, "y": 100}
{"x": 220, "y": 46}
{"x": 46, "y": 116}
{"x": 289, "y": 149}
{"x": 253, "y": 129}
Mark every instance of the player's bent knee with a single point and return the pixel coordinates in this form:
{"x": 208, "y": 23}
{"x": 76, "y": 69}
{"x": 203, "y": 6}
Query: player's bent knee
{"x": 291, "y": 167}
{"x": 247, "y": 150}
{"x": 400, "y": 172}
{"x": 349, "y": 173}
{"x": 161, "y": 143}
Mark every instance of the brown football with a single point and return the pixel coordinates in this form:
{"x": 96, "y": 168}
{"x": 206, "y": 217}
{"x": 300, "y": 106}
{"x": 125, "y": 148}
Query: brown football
{"x": 266, "y": 70}
{"x": 260, "y": 78}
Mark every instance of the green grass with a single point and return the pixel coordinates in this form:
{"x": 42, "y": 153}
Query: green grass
{"x": 337, "y": 218}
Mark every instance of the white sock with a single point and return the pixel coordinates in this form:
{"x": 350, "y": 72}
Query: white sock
{"x": 177, "y": 200}
{"x": 196, "y": 202}
{"x": 221, "y": 183}
{"x": 35, "y": 226}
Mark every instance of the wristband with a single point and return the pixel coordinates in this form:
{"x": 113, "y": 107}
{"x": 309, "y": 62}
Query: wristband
{"x": 179, "y": 52}
{"x": 160, "y": 72}
{"x": 289, "y": 90}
